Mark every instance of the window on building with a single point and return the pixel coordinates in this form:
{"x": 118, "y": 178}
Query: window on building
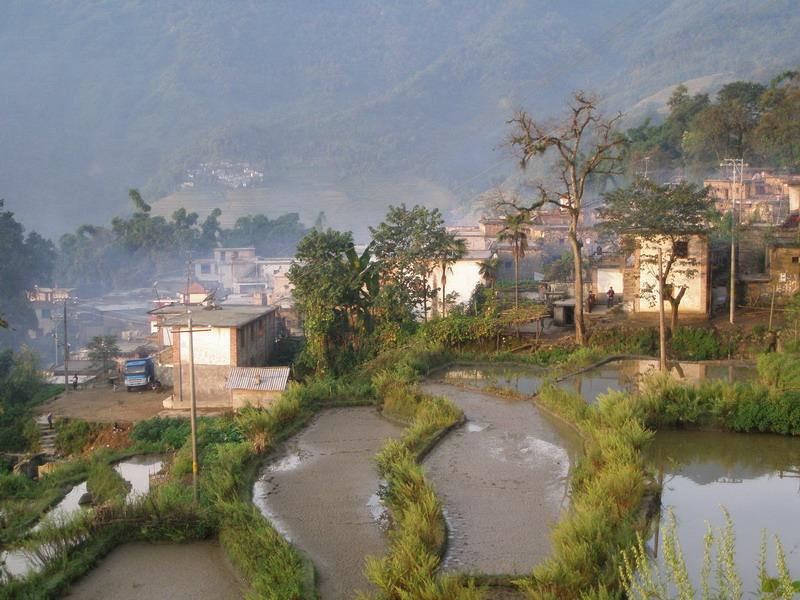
{"x": 507, "y": 264}
{"x": 205, "y": 269}
{"x": 46, "y": 311}
{"x": 234, "y": 255}
{"x": 681, "y": 249}
{"x": 795, "y": 260}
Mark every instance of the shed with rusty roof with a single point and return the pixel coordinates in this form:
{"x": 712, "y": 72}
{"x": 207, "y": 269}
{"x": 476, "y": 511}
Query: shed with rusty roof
{"x": 257, "y": 386}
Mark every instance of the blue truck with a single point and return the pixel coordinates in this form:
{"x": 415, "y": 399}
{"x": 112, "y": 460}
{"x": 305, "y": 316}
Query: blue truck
{"x": 140, "y": 373}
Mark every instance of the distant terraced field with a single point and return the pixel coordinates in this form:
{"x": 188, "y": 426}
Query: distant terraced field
{"x": 346, "y": 206}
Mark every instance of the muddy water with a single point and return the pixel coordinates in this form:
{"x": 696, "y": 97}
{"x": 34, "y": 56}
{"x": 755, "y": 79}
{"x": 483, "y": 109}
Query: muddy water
{"x": 755, "y": 476}
{"x": 176, "y": 571}
{"x": 627, "y": 374}
{"x": 523, "y": 379}
{"x": 136, "y": 470}
{"x": 503, "y": 480}
{"x": 321, "y": 494}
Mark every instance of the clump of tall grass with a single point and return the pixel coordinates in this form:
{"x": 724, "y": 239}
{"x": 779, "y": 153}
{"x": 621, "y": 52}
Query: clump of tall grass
{"x": 273, "y": 568}
{"x": 418, "y": 529}
{"x": 643, "y": 579}
{"x": 607, "y": 490}
{"x": 104, "y": 483}
{"x": 261, "y": 425}
{"x": 738, "y": 406}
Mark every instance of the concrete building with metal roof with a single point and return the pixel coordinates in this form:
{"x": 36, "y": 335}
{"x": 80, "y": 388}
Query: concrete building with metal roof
{"x": 222, "y": 338}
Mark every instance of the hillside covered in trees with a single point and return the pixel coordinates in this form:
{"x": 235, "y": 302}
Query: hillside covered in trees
{"x": 98, "y": 98}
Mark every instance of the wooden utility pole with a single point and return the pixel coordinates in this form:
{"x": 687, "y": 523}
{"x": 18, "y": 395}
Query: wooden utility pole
{"x": 736, "y": 165}
{"x": 193, "y": 411}
{"x": 662, "y": 336}
{"x": 66, "y": 351}
{"x": 772, "y": 306}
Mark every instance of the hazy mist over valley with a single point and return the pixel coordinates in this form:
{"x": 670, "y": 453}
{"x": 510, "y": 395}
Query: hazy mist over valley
{"x": 341, "y": 107}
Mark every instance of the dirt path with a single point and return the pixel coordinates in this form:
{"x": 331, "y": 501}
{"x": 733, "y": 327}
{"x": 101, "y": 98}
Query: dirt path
{"x": 105, "y": 405}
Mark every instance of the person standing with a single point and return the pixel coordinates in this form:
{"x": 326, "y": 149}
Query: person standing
{"x": 75, "y": 383}
{"x": 610, "y": 294}
{"x": 49, "y": 420}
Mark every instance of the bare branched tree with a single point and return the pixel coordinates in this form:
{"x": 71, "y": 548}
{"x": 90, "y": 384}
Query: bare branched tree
{"x": 585, "y": 144}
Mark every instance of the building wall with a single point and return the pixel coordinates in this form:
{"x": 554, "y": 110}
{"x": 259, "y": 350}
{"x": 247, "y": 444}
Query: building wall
{"x": 696, "y": 298}
{"x": 209, "y": 385}
{"x": 784, "y": 276}
{"x": 240, "y": 398}
{"x": 462, "y": 277}
{"x": 211, "y": 347}
{"x": 251, "y": 345}
{"x": 606, "y": 277}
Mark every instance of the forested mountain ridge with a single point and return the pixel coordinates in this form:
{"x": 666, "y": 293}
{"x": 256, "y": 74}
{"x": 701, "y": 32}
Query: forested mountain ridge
{"x": 100, "y": 97}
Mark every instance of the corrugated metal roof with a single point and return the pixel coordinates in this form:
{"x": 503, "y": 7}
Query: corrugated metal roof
{"x": 267, "y": 379}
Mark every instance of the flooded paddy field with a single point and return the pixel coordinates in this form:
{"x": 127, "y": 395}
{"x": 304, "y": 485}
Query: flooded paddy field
{"x": 756, "y": 477}
{"x": 627, "y": 374}
{"x": 503, "y": 479}
{"x": 136, "y": 470}
{"x": 523, "y": 379}
{"x": 321, "y": 493}
{"x": 177, "y": 571}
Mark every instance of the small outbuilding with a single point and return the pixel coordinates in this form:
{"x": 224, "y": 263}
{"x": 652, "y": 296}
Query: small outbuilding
{"x": 257, "y": 386}
{"x": 564, "y": 312}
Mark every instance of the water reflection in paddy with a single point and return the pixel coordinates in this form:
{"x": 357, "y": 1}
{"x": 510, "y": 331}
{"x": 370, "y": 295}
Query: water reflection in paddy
{"x": 756, "y": 477}
{"x": 523, "y": 379}
{"x": 136, "y": 470}
{"x": 627, "y": 375}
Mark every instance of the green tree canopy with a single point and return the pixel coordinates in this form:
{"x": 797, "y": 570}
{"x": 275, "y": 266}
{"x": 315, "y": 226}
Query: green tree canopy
{"x": 666, "y": 215}
{"x": 29, "y": 262}
{"x": 334, "y": 289}
{"x": 103, "y": 348}
{"x": 407, "y": 245}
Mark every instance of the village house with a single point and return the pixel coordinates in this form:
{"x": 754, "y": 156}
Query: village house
{"x": 464, "y": 274}
{"x": 256, "y": 386}
{"x": 761, "y": 197}
{"x": 781, "y": 276}
{"x": 691, "y": 270}
{"x": 240, "y": 273}
{"x": 634, "y": 276}
{"x": 222, "y": 338}
{"x": 48, "y": 303}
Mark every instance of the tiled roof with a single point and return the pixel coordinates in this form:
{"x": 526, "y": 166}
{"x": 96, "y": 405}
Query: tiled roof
{"x": 267, "y": 379}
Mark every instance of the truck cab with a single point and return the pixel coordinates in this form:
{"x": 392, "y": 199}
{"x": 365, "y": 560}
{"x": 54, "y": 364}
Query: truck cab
{"x": 139, "y": 373}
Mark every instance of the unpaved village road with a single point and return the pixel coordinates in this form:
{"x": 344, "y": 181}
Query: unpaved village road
{"x": 105, "y": 405}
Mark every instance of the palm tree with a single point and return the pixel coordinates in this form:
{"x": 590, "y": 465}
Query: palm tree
{"x": 452, "y": 249}
{"x": 516, "y": 232}
{"x": 488, "y": 270}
